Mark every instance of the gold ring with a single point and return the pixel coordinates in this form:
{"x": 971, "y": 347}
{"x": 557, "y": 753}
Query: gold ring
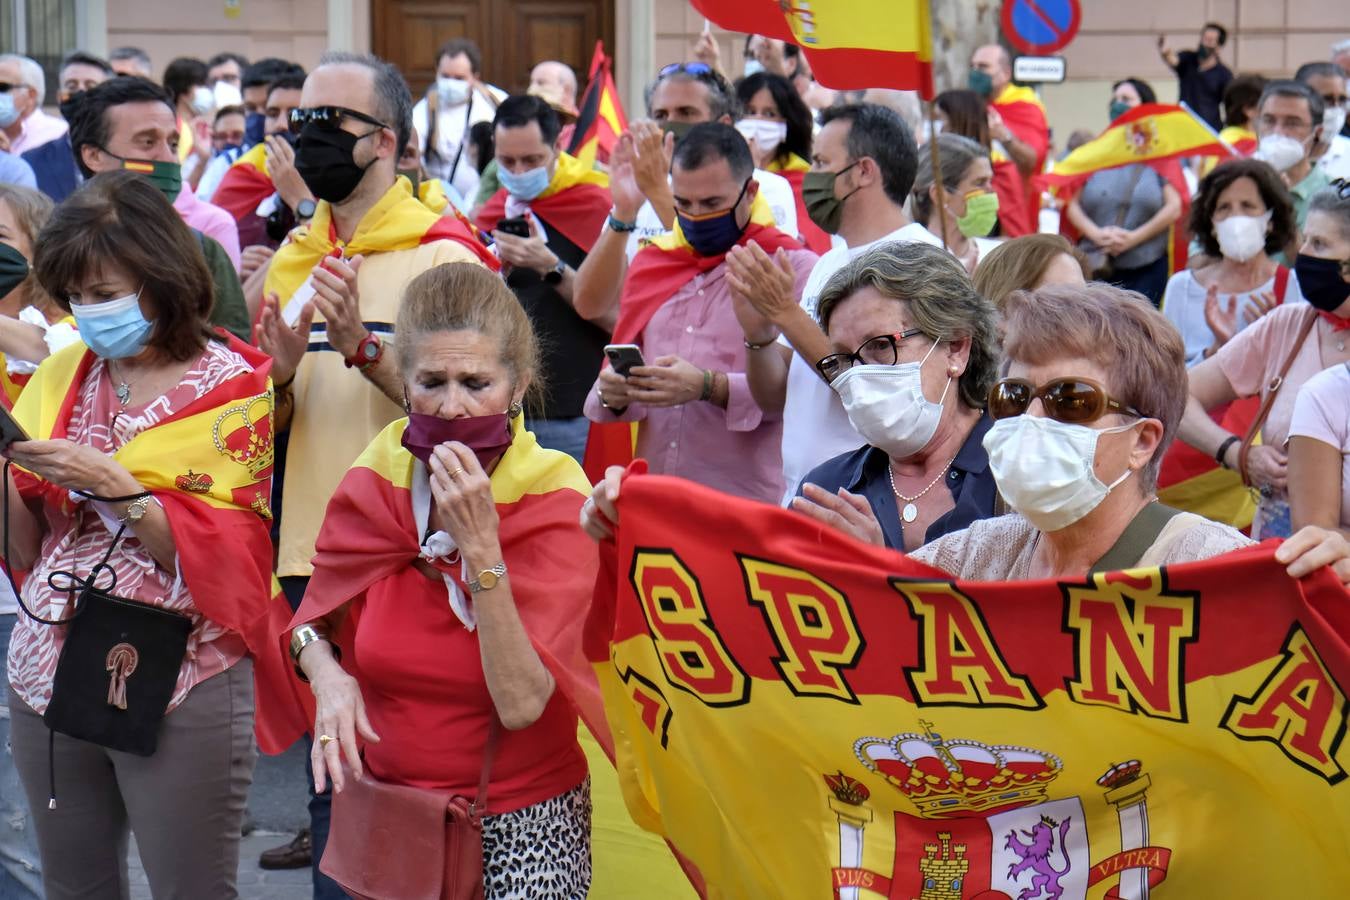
{"x": 457, "y": 472}
{"x": 325, "y": 740}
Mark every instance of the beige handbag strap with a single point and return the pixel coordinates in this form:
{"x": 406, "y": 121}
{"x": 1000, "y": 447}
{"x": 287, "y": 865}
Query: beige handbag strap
{"x": 1272, "y": 390}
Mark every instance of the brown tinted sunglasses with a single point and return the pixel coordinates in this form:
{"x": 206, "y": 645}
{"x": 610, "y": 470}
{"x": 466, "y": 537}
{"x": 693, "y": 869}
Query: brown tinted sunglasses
{"x": 1074, "y": 401}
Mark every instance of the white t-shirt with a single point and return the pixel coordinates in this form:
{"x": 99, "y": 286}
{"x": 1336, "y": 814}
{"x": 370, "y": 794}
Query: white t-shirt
{"x": 815, "y": 426}
{"x": 1336, "y": 161}
{"x": 1322, "y": 411}
{"x": 777, "y": 193}
{"x": 1183, "y": 303}
{"x": 452, "y": 125}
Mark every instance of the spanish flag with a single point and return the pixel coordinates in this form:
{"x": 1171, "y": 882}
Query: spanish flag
{"x": 210, "y": 466}
{"x": 576, "y": 203}
{"x": 600, "y": 120}
{"x": 806, "y": 716}
{"x": 370, "y": 535}
{"x": 851, "y": 44}
{"x": 1018, "y": 196}
{"x": 657, "y": 272}
{"x": 246, "y": 184}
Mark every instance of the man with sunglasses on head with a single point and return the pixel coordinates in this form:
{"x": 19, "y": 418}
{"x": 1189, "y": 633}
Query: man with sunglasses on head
{"x": 682, "y": 95}
{"x": 698, "y": 419}
{"x": 331, "y": 295}
{"x": 129, "y": 123}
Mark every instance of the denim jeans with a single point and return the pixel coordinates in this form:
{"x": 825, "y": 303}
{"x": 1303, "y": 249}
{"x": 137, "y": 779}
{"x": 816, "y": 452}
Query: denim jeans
{"x": 565, "y": 435}
{"x": 20, "y": 873}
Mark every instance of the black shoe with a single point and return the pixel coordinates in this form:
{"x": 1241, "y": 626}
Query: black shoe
{"x": 295, "y": 855}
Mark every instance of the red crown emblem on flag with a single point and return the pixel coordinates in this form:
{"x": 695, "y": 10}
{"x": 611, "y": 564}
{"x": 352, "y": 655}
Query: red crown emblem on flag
{"x": 948, "y": 779}
{"x": 244, "y": 434}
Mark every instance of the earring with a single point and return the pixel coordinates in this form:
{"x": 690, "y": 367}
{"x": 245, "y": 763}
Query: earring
{"x": 952, "y": 371}
{"x": 407, "y": 407}
{"x": 514, "y": 410}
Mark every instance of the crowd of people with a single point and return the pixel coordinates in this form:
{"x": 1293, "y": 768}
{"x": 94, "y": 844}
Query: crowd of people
{"x": 260, "y": 321}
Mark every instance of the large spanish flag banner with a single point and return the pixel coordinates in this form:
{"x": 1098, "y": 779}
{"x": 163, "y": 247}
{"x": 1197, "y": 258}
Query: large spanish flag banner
{"x": 804, "y": 716}
{"x": 851, "y": 44}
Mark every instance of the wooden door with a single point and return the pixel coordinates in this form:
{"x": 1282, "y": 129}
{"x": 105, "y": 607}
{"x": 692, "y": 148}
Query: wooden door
{"x": 513, "y": 35}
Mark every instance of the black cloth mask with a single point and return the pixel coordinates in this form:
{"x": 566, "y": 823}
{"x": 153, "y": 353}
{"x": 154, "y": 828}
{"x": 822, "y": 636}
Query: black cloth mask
{"x": 324, "y": 159}
{"x": 13, "y": 269}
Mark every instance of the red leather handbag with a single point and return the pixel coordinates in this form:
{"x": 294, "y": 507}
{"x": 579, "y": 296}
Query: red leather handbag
{"x": 395, "y": 842}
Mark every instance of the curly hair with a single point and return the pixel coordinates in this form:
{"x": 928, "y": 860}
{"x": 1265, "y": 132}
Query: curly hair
{"x": 1273, "y": 194}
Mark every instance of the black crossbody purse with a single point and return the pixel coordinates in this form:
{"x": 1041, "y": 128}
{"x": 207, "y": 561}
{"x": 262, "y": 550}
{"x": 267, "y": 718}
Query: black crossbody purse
{"x": 120, "y": 660}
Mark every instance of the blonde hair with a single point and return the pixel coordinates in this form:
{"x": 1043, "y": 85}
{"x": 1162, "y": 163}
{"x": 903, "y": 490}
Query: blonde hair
{"x": 467, "y": 297}
{"x": 1139, "y": 349}
{"x": 1020, "y": 264}
{"x": 31, "y": 211}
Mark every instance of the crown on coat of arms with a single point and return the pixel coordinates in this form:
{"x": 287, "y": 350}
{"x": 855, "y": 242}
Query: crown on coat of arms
{"x": 847, "y": 790}
{"x": 238, "y": 435}
{"x": 946, "y": 779}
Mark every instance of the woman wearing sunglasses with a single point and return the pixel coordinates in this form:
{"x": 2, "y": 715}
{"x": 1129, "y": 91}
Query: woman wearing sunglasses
{"x": 1094, "y": 391}
{"x": 917, "y": 356}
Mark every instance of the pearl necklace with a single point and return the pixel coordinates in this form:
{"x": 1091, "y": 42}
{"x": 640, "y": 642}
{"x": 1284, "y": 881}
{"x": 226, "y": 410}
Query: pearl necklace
{"x": 910, "y": 511}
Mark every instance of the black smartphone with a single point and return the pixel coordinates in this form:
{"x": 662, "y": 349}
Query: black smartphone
{"x": 11, "y": 432}
{"x": 517, "y": 226}
{"x": 622, "y": 357}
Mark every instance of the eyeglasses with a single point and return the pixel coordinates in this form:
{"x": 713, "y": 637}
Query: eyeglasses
{"x": 1342, "y": 186}
{"x": 1074, "y": 401}
{"x": 882, "y": 350}
{"x": 328, "y": 118}
{"x": 6, "y": 87}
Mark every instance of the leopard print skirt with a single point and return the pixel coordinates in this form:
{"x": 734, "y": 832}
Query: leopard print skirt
{"x": 542, "y": 851}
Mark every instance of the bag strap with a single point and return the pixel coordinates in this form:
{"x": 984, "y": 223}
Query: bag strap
{"x": 1272, "y": 391}
{"x": 1281, "y": 282}
{"x": 479, "y": 805}
{"x": 1137, "y": 537}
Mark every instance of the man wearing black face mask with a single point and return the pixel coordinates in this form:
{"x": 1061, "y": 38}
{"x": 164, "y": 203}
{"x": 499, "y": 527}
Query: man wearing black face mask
{"x": 54, "y": 162}
{"x": 698, "y": 417}
{"x": 1201, "y": 75}
{"x": 129, "y": 123}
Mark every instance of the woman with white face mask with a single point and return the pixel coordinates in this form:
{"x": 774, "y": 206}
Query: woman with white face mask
{"x": 915, "y": 356}
{"x": 1241, "y": 215}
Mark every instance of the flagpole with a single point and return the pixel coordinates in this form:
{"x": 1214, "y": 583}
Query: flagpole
{"x": 937, "y": 172}
{"x": 1232, "y": 151}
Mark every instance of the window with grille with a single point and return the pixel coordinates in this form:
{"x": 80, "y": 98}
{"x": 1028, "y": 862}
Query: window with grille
{"x": 46, "y": 30}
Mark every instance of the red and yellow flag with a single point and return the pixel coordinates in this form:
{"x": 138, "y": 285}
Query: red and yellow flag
{"x": 600, "y": 119}
{"x": 576, "y": 202}
{"x": 210, "y": 466}
{"x": 805, "y": 716}
{"x": 1149, "y": 133}
{"x": 246, "y": 184}
{"x": 851, "y": 44}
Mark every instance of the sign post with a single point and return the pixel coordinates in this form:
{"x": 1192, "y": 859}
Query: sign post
{"x": 1041, "y": 27}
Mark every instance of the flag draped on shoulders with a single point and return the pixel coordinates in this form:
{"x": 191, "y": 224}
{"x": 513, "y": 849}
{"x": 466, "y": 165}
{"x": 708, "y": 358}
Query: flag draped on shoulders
{"x": 794, "y": 169}
{"x": 210, "y": 467}
{"x": 804, "y": 716}
{"x": 851, "y": 44}
{"x": 245, "y": 184}
{"x": 1018, "y": 197}
{"x": 600, "y": 117}
{"x": 576, "y": 203}
{"x": 399, "y": 221}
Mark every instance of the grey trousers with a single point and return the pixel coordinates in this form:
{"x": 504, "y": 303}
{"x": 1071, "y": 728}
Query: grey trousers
{"x": 185, "y": 804}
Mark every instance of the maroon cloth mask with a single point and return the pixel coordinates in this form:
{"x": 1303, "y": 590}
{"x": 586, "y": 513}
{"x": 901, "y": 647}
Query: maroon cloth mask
{"x": 486, "y": 436}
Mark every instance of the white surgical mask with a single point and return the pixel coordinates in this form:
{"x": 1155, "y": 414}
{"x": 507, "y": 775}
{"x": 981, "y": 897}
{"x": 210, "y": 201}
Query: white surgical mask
{"x": 1281, "y": 151}
{"x": 753, "y": 67}
{"x": 887, "y": 406}
{"x": 203, "y": 100}
{"x": 1242, "y": 237}
{"x": 764, "y": 134}
{"x": 225, "y": 94}
{"x": 453, "y": 91}
{"x": 1043, "y": 468}
{"x": 1333, "y": 120}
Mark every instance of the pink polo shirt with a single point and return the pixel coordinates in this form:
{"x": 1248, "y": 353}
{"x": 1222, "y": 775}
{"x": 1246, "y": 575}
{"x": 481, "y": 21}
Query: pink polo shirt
{"x": 210, "y": 220}
{"x": 36, "y": 130}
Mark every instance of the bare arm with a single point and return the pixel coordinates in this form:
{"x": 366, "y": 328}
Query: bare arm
{"x": 19, "y": 340}
{"x": 1162, "y": 219}
{"x": 26, "y": 528}
{"x": 1315, "y": 469}
{"x": 598, "y": 283}
{"x": 1209, "y": 388}
{"x": 1080, "y": 220}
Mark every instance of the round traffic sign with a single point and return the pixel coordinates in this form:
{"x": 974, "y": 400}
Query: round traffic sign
{"x": 1040, "y": 26}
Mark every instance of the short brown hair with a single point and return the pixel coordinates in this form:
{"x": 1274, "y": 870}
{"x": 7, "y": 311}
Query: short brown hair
{"x": 941, "y": 300}
{"x": 121, "y": 218}
{"x": 467, "y": 297}
{"x": 1121, "y": 331}
{"x": 1273, "y": 194}
{"x": 1020, "y": 264}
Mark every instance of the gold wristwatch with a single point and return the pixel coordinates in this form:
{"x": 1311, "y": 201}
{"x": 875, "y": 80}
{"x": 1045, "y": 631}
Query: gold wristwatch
{"x": 487, "y": 579}
{"x": 136, "y": 510}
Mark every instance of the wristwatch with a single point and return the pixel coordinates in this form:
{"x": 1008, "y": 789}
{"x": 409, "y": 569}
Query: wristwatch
{"x": 136, "y": 510}
{"x": 368, "y": 353}
{"x": 555, "y": 274}
{"x": 487, "y": 579}
{"x": 304, "y": 210}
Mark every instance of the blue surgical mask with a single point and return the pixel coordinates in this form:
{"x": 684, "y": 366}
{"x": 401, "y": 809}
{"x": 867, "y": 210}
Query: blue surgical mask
{"x": 715, "y": 233}
{"x": 255, "y": 128}
{"x": 753, "y": 67}
{"x": 527, "y": 185}
{"x": 114, "y": 329}
{"x": 9, "y": 113}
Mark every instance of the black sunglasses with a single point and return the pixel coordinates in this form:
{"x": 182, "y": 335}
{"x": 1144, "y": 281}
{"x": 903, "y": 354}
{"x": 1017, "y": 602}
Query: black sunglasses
{"x": 882, "y": 350}
{"x": 6, "y": 87}
{"x": 1074, "y": 401}
{"x": 329, "y": 118}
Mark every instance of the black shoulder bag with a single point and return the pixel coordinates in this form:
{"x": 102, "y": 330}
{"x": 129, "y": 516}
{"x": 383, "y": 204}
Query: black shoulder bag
{"x": 120, "y": 660}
